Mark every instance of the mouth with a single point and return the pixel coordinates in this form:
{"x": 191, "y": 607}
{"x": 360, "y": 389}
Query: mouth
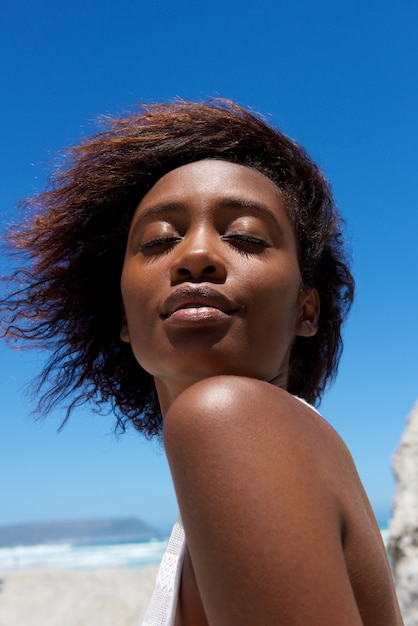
{"x": 201, "y": 303}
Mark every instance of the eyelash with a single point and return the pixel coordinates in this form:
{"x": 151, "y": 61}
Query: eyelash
{"x": 234, "y": 240}
{"x": 238, "y": 237}
{"x": 155, "y": 243}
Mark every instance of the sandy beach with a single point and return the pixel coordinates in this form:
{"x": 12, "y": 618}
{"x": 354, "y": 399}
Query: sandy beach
{"x": 52, "y": 597}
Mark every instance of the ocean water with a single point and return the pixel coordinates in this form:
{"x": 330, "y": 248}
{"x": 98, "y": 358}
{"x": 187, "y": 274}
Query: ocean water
{"x": 384, "y": 529}
{"x": 85, "y": 556}
{"x": 90, "y": 556}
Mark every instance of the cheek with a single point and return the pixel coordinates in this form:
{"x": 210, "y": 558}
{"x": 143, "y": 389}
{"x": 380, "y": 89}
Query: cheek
{"x": 141, "y": 291}
{"x": 277, "y": 291}
{"x": 134, "y": 300}
{"x": 138, "y": 332}
{"x": 274, "y": 312}
{"x": 137, "y": 285}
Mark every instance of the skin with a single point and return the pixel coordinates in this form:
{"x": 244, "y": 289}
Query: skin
{"x": 278, "y": 527}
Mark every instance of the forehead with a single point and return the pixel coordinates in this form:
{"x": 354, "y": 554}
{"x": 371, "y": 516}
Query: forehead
{"x": 214, "y": 178}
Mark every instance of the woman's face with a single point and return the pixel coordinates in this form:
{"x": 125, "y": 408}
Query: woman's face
{"x": 211, "y": 282}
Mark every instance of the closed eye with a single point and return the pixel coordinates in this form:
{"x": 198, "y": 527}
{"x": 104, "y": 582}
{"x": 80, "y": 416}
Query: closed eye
{"x": 247, "y": 243}
{"x": 158, "y": 245}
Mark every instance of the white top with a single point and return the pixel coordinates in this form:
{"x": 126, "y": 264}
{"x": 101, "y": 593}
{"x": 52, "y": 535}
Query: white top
{"x": 162, "y": 607}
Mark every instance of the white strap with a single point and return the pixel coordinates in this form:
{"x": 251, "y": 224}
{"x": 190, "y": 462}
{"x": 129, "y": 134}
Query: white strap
{"x": 162, "y": 607}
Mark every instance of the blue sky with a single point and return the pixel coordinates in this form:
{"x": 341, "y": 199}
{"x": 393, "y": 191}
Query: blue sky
{"x": 340, "y": 78}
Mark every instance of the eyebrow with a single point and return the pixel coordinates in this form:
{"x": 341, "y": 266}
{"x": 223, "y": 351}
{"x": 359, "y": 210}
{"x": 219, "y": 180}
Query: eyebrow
{"x": 255, "y": 207}
{"x": 156, "y": 209}
{"x": 225, "y": 203}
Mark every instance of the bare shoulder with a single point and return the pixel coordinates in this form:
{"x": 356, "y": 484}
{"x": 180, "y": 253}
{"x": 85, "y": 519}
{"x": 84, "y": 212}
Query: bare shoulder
{"x": 240, "y": 408}
{"x": 220, "y": 393}
{"x": 256, "y": 431}
{"x": 270, "y": 496}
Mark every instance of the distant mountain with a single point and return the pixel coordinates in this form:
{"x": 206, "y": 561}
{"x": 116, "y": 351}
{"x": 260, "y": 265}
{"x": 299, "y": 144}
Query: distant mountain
{"x": 90, "y": 531}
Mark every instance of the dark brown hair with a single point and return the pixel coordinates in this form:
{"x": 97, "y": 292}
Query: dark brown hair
{"x": 66, "y": 295}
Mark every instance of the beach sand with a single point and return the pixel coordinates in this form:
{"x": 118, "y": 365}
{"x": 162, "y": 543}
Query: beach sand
{"x": 51, "y": 597}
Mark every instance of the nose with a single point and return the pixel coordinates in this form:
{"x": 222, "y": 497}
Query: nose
{"x": 197, "y": 258}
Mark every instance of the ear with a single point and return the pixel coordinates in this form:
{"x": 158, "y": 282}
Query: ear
{"x": 124, "y": 331}
{"x": 307, "y": 324}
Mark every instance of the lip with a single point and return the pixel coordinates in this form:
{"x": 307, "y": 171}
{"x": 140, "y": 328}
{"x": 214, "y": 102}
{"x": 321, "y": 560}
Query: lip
{"x": 198, "y": 303}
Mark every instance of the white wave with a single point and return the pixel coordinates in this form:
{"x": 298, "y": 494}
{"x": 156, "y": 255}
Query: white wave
{"x": 136, "y": 554}
{"x": 385, "y": 535}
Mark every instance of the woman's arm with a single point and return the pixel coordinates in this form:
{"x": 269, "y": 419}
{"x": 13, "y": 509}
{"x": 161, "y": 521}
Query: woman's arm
{"x": 262, "y": 519}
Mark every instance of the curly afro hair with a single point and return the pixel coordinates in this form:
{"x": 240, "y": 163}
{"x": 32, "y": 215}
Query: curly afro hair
{"x": 66, "y": 296}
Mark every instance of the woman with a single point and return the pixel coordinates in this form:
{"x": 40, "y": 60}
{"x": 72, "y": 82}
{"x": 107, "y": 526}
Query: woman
{"x": 187, "y": 267}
